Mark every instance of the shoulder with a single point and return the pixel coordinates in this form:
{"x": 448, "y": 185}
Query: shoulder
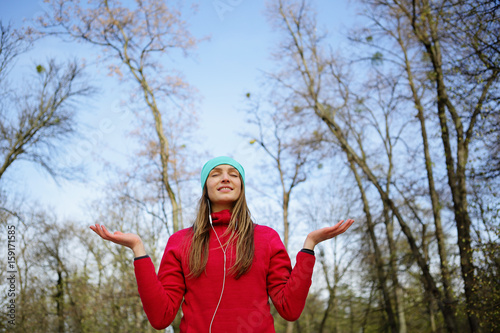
{"x": 177, "y": 245}
{"x": 182, "y": 233}
{"x": 180, "y": 238}
{"x": 264, "y": 230}
{"x": 264, "y": 234}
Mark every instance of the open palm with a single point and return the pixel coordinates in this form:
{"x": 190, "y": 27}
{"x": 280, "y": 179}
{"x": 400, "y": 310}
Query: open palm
{"x": 317, "y": 236}
{"x": 126, "y": 239}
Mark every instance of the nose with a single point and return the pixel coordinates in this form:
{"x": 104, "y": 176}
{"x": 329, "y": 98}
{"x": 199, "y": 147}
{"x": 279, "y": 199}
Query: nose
{"x": 225, "y": 177}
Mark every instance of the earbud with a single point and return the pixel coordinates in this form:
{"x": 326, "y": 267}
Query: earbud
{"x": 209, "y": 212}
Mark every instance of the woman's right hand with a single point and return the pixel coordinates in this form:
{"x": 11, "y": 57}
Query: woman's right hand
{"x": 129, "y": 240}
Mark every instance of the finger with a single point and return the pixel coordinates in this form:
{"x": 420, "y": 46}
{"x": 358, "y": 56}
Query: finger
{"x": 106, "y": 232}
{"x": 94, "y": 229}
{"x": 339, "y": 223}
{"x": 339, "y": 228}
{"x": 334, "y": 227}
{"x": 97, "y": 229}
{"x": 346, "y": 226}
{"x": 330, "y": 232}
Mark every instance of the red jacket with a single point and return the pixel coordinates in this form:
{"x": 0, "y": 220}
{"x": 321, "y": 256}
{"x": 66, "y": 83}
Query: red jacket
{"x": 244, "y": 307}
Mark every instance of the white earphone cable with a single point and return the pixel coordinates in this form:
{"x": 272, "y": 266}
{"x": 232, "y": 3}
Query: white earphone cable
{"x": 224, "y": 278}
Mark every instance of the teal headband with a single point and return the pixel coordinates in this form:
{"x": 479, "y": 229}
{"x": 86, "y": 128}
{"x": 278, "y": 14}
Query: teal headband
{"x": 219, "y": 161}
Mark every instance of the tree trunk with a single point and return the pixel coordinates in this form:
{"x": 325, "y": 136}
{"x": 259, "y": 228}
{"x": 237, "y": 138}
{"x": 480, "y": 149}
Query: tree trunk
{"x": 456, "y": 179}
{"x": 427, "y": 277}
{"x": 150, "y": 99}
{"x": 389, "y": 228}
{"x": 59, "y": 296}
{"x": 429, "y": 298}
{"x": 434, "y": 197}
{"x": 286, "y": 224}
{"x": 326, "y": 113}
{"x": 351, "y": 317}
{"x": 368, "y": 308}
{"x": 164, "y": 154}
{"x": 332, "y": 306}
{"x": 286, "y": 202}
{"x": 378, "y": 254}
{"x": 398, "y": 291}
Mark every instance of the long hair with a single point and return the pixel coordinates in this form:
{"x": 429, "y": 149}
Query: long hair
{"x": 240, "y": 229}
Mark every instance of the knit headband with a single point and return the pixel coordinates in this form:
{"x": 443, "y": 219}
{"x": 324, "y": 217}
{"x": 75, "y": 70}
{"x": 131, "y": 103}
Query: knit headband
{"x": 219, "y": 161}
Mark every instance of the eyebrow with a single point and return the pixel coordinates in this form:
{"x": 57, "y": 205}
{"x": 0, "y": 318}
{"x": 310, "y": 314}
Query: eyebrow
{"x": 220, "y": 169}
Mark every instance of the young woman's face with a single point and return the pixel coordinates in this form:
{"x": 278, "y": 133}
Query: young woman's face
{"x": 224, "y": 187}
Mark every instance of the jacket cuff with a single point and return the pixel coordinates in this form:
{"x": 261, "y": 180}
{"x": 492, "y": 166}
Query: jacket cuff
{"x": 307, "y": 251}
{"x": 141, "y": 257}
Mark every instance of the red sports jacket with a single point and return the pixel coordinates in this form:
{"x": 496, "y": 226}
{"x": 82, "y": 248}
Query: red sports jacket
{"x": 244, "y": 307}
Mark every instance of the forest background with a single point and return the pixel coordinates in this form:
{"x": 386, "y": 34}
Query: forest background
{"x": 382, "y": 111}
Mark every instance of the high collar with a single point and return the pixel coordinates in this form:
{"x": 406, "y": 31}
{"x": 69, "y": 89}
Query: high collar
{"x": 222, "y": 217}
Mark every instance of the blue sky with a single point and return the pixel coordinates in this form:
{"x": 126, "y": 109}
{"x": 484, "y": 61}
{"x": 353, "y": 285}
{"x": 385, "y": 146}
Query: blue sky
{"x": 223, "y": 69}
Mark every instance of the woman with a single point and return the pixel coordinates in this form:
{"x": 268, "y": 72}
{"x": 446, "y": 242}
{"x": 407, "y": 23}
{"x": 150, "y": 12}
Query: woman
{"x": 224, "y": 268}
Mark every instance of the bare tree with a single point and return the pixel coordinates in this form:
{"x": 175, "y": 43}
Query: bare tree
{"x": 325, "y": 91}
{"x": 133, "y": 38}
{"x": 379, "y": 262}
{"x": 35, "y": 123}
{"x": 458, "y": 38}
{"x": 292, "y": 153}
{"x": 12, "y": 44}
{"x": 322, "y": 203}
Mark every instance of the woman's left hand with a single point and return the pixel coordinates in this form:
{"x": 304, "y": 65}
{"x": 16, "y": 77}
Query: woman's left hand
{"x": 317, "y": 236}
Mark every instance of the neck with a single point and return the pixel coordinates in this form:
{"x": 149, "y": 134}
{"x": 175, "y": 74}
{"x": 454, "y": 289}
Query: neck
{"x": 220, "y": 207}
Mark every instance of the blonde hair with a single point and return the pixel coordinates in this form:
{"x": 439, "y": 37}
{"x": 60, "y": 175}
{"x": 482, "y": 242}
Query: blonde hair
{"x": 240, "y": 227}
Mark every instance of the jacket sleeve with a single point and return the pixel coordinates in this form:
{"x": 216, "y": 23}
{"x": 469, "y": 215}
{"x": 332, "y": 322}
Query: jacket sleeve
{"x": 288, "y": 288}
{"x": 161, "y": 294}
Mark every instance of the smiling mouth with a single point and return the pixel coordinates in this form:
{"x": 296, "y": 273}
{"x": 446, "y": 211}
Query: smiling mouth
{"x": 225, "y": 188}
